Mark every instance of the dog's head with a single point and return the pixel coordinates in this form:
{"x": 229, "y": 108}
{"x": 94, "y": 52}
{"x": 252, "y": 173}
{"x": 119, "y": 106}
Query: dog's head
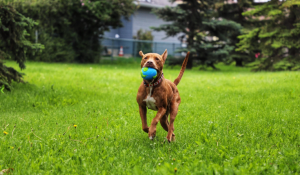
{"x": 154, "y": 60}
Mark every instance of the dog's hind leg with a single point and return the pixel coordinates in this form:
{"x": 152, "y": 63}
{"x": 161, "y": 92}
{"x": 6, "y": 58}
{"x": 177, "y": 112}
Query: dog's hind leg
{"x": 173, "y": 112}
{"x": 164, "y": 121}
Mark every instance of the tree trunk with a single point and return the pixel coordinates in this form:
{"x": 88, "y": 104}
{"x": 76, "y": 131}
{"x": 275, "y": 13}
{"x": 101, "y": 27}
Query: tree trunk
{"x": 238, "y": 62}
{"x": 189, "y": 64}
{"x": 190, "y": 41}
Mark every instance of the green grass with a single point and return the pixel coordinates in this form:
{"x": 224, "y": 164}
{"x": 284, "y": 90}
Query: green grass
{"x": 230, "y": 122}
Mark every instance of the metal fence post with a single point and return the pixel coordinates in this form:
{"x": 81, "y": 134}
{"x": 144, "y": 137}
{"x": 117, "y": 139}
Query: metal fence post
{"x": 173, "y": 49}
{"x": 133, "y": 54}
{"x": 112, "y": 50}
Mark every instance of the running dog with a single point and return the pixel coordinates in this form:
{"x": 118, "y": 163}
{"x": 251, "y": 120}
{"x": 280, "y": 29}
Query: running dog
{"x": 159, "y": 94}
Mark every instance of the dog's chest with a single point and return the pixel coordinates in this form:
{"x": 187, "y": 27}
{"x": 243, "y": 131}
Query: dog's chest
{"x": 150, "y": 101}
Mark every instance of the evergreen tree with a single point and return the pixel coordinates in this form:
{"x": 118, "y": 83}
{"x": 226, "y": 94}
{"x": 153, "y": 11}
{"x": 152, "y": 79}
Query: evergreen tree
{"x": 278, "y": 38}
{"x": 207, "y": 35}
{"x": 13, "y": 43}
{"x": 234, "y": 11}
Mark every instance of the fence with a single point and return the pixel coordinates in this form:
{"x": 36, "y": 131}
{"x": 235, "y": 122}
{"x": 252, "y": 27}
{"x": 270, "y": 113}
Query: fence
{"x": 132, "y": 47}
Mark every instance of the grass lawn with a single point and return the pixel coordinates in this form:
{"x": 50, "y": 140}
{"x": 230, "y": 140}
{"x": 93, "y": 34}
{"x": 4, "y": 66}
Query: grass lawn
{"x": 230, "y": 122}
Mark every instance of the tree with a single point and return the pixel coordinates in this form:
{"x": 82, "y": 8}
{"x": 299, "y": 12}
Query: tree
{"x": 230, "y": 10}
{"x": 71, "y": 29}
{"x": 278, "y": 38}
{"x": 208, "y": 35}
{"x": 95, "y": 17}
{"x": 14, "y": 44}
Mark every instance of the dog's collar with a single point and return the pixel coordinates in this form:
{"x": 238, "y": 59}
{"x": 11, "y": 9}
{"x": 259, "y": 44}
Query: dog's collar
{"x": 156, "y": 83}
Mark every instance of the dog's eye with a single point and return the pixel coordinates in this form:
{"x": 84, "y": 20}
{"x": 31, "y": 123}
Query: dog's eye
{"x": 145, "y": 58}
{"x": 156, "y": 58}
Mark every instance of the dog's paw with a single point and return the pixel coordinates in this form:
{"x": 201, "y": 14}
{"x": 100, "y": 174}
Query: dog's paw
{"x": 151, "y": 137}
{"x": 152, "y": 133}
{"x": 171, "y": 138}
{"x": 146, "y": 130}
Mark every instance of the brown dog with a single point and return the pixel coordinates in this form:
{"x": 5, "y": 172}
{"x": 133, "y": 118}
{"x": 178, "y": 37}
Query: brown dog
{"x": 160, "y": 95}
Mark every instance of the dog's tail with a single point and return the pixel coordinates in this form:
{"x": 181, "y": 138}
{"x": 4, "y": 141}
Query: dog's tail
{"x": 177, "y": 80}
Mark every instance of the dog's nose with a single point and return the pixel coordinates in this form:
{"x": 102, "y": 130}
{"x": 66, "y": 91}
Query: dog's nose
{"x": 149, "y": 62}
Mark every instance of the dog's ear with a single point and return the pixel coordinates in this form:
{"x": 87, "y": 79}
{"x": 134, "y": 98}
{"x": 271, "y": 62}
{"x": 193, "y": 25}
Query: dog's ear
{"x": 164, "y": 55}
{"x": 141, "y": 53}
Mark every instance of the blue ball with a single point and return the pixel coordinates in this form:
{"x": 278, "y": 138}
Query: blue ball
{"x": 148, "y": 73}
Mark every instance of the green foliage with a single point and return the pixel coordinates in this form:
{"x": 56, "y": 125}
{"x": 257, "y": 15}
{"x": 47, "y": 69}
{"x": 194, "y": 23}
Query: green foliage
{"x": 14, "y": 43}
{"x": 56, "y": 50}
{"x": 229, "y": 122}
{"x": 71, "y": 29}
{"x": 234, "y": 11}
{"x": 144, "y": 35}
{"x": 277, "y": 39}
{"x": 208, "y": 36}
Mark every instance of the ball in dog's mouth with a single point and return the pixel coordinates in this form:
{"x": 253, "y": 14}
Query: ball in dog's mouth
{"x": 148, "y": 73}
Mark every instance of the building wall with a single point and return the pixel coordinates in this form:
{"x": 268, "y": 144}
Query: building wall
{"x": 144, "y": 19}
{"x": 123, "y": 32}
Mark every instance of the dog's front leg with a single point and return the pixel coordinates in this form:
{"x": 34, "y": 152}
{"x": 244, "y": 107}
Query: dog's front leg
{"x": 143, "y": 114}
{"x": 152, "y": 130}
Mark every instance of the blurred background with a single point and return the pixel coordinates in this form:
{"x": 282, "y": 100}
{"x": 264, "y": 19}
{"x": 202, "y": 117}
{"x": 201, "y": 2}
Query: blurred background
{"x": 261, "y": 34}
